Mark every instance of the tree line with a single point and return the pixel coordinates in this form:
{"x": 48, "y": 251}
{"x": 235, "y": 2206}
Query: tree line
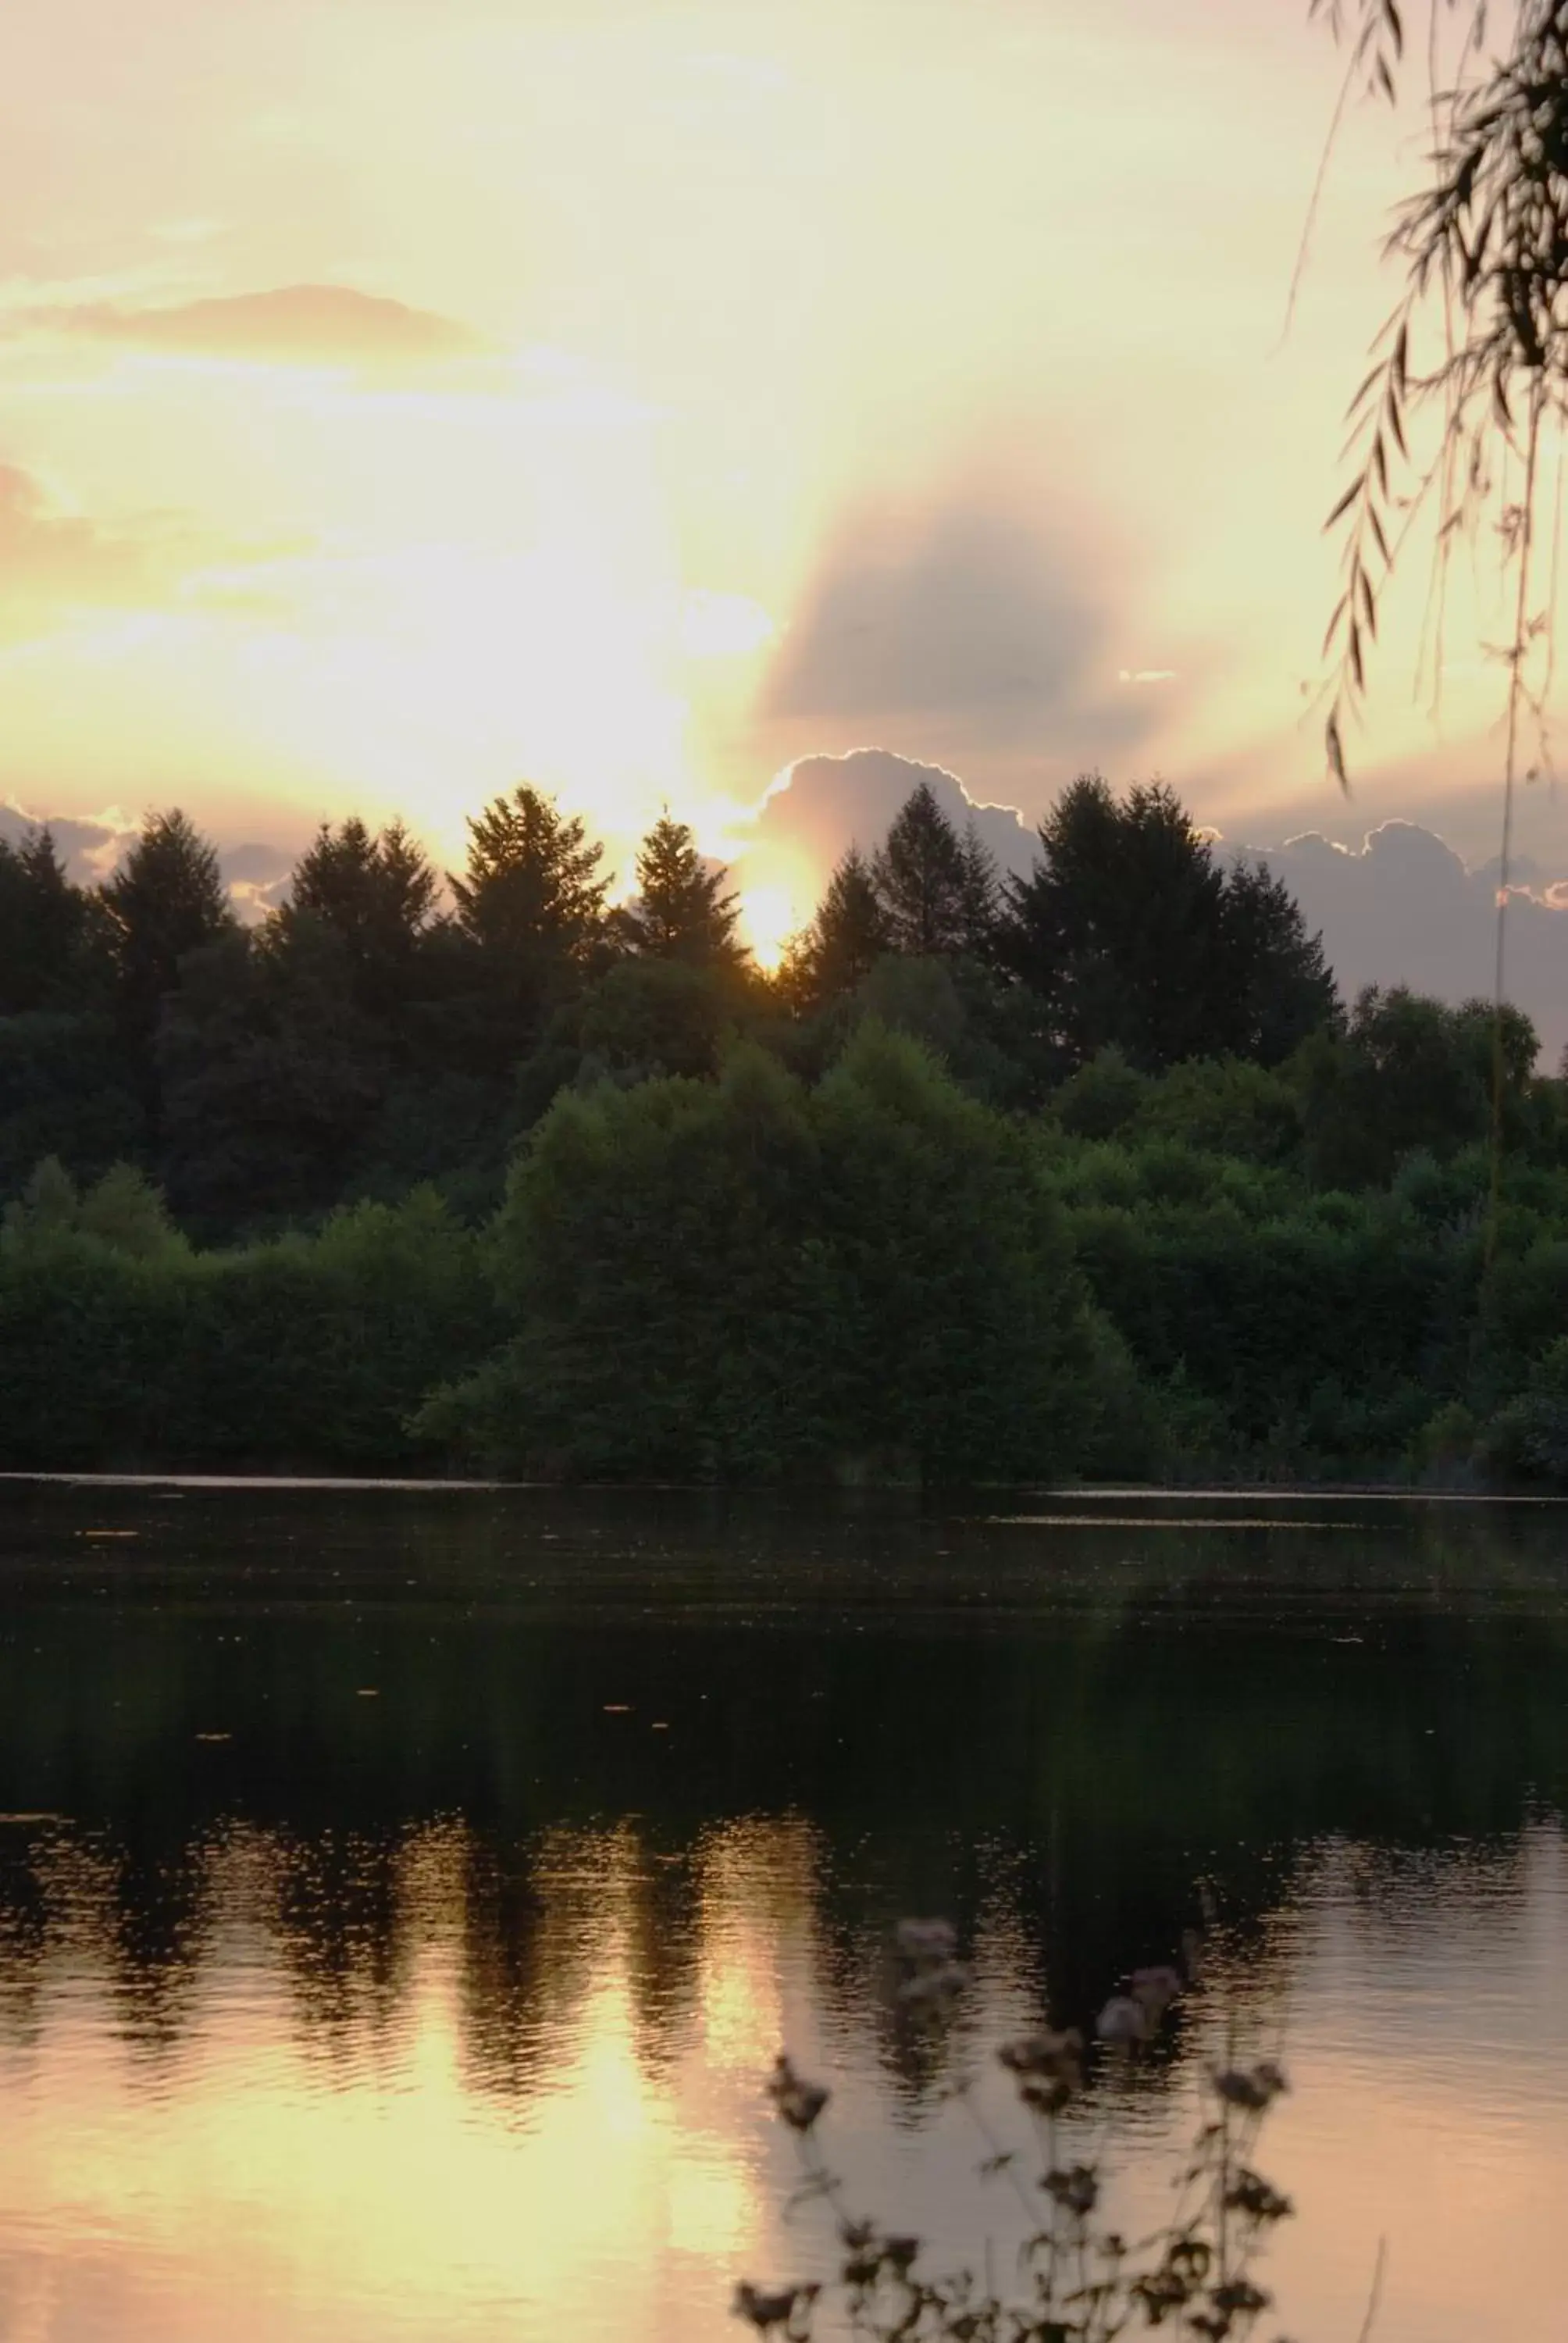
{"x": 1087, "y": 1171}
{"x": 370, "y": 1033}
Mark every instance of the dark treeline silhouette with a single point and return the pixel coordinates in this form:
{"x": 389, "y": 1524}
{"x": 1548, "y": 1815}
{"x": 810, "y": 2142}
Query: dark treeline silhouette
{"x": 1083, "y": 1172}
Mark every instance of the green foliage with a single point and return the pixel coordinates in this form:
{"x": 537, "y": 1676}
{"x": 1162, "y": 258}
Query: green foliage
{"x": 937, "y": 891}
{"x": 123, "y": 1212}
{"x": 272, "y": 1076}
{"x": 54, "y": 937}
{"x": 681, "y": 911}
{"x": 711, "y": 1280}
{"x": 1103, "y": 1097}
{"x": 1228, "y": 1106}
{"x": 1127, "y": 933}
{"x": 1527, "y": 1440}
{"x": 120, "y": 1347}
{"x": 846, "y": 937}
{"x": 375, "y": 895}
{"x": 583, "y": 1194}
{"x": 531, "y": 903}
{"x": 66, "y": 1090}
{"x": 1408, "y": 1073}
{"x": 167, "y": 900}
{"x": 647, "y": 1017}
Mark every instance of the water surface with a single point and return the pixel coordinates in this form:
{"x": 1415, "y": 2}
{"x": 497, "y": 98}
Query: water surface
{"x": 402, "y": 1892}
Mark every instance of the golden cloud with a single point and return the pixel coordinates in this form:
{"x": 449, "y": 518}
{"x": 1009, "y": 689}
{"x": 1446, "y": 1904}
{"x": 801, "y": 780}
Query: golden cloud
{"x": 291, "y": 326}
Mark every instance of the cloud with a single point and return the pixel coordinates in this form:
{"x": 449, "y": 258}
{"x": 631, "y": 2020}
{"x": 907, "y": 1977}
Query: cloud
{"x": 88, "y": 848}
{"x": 982, "y": 634}
{"x": 55, "y": 562}
{"x": 50, "y": 557}
{"x": 823, "y": 805}
{"x": 290, "y": 326}
{"x": 1403, "y": 908}
{"x": 255, "y": 874}
{"x": 257, "y": 877}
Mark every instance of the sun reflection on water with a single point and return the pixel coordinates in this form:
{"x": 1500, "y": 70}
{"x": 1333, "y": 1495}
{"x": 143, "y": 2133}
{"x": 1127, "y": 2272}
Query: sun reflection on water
{"x": 440, "y": 2087}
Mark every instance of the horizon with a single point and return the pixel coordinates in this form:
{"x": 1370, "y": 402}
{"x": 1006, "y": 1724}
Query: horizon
{"x": 1395, "y": 903}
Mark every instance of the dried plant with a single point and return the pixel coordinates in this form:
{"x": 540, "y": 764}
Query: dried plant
{"x": 1077, "y": 2280}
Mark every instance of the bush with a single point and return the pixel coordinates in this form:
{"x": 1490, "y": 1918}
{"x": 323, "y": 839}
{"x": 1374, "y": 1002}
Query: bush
{"x": 748, "y": 1278}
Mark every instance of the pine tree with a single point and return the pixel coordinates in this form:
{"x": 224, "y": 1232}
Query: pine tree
{"x": 376, "y": 894}
{"x": 47, "y": 930}
{"x": 532, "y": 892}
{"x": 1278, "y": 986}
{"x": 167, "y": 900}
{"x": 843, "y": 941}
{"x": 924, "y": 880}
{"x": 681, "y": 910}
{"x": 1129, "y": 935}
{"x": 981, "y": 896}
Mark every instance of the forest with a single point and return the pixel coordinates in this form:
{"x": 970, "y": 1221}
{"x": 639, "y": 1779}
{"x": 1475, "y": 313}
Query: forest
{"x": 1087, "y": 1174}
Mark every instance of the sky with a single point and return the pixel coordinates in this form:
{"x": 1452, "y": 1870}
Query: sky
{"x": 400, "y": 402}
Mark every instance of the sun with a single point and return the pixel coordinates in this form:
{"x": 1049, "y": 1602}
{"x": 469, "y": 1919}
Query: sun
{"x": 769, "y": 916}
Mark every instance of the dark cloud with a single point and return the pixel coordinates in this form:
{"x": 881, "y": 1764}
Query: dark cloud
{"x": 973, "y": 630}
{"x": 294, "y": 325}
{"x": 1403, "y": 908}
{"x": 825, "y": 804}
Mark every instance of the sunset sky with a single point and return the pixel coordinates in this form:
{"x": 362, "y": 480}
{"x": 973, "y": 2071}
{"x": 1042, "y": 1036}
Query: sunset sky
{"x": 397, "y": 401}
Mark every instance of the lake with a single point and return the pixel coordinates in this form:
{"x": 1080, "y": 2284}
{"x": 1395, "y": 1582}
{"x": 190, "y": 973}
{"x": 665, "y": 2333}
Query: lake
{"x": 404, "y": 1892}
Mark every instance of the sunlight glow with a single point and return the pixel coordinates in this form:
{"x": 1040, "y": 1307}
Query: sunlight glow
{"x": 769, "y": 916}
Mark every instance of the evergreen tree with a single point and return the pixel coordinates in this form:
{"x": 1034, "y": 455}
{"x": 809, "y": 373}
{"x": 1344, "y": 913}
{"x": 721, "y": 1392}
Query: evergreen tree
{"x": 49, "y": 930}
{"x": 270, "y": 1075}
{"x": 166, "y": 900}
{"x": 531, "y": 898}
{"x": 1129, "y": 935}
{"x": 376, "y": 894}
{"x": 846, "y": 937}
{"x": 1276, "y": 985}
{"x": 926, "y": 879}
{"x": 982, "y": 897}
{"x": 681, "y": 910}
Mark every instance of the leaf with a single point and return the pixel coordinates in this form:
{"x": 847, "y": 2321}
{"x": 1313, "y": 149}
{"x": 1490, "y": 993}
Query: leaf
{"x": 1335, "y": 616}
{"x": 1347, "y": 500}
{"x": 1385, "y": 79}
{"x": 1397, "y": 362}
{"x": 1391, "y": 17}
{"x": 1367, "y": 384}
{"x": 1369, "y": 604}
{"x": 1376, "y": 527}
{"x": 1357, "y": 668}
{"x": 1395, "y": 426}
{"x": 1336, "y": 754}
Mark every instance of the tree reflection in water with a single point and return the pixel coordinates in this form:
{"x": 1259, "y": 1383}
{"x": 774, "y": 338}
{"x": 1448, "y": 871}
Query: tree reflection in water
{"x": 442, "y": 1985}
